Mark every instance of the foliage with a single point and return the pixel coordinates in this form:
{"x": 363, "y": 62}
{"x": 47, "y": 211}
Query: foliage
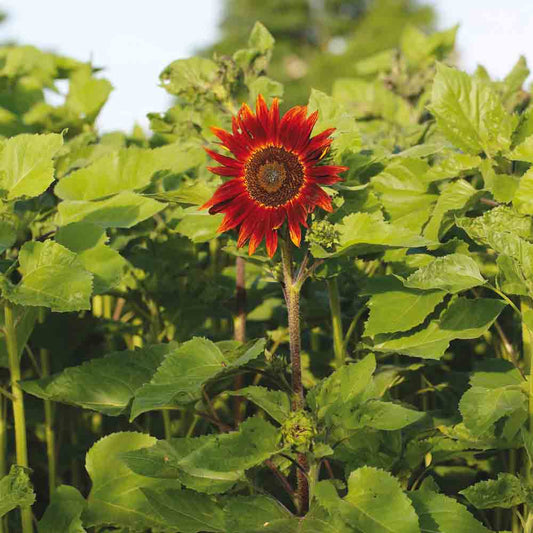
{"x": 121, "y": 304}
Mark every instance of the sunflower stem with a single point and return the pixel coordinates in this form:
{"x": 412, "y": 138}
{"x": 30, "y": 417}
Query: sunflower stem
{"x": 292, "y": 297}
{"x": 19, "y": 416}
{"x": 239, "y": 328}
{"x": 336, "y": 321}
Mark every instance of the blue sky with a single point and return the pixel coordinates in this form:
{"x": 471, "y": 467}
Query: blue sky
{"x": 134, "y": 39}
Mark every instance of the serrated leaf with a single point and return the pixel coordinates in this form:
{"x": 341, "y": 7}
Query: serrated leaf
{"x": 189, "y": 75}
{"x": 470, "y": 113}
{"x": 275, "y": 403}
{"x": 260, "y": 38}
{"x": 186, "y": 510}
{"x": 64, "y": 512}
{"x": 386, "y": 416}
{"x": 15, "y": 490}
{"x": 452, "y": 273}
{"x": 116, "y": 497}
{"x": 106, "y": 385}
{"x": 26, "y": 166}
{"x": 181, "y": 376}
{"x": 87, "y": 95}
{"x": 123, "y": 210}
{"x": 523, "y": 198}
{"x": 438, "y": 512}
{"x": 199, "y": 226}
{"x": 88, "y": 241}
{"x": 375, "y": 503}
{"x": 464, "y": 319}
{"x": 454, "y": 200}
{"x": 482, "y": 408}
{"x": 400, "y": 310}
{"x": 52, "y": 276}
{"x": 364, "y": 232}
{"x": 331, "y": 113}
{"x": 506, "y": 492}
{"x": 211, "y": 463}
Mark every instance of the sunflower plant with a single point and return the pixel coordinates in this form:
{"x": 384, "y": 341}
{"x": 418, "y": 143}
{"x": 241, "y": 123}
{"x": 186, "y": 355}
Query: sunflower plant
{"x": 364, "y": 366}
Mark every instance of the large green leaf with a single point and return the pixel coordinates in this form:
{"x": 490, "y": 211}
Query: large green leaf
{"x": 375, "y": 503}
{"x": 400, "y": 310}
{"x": 211, "y": 463}
{"x": 523, "y": 198}
{"x": 181, "y": 376}
{"x": 439, "y": 513}
{"x": 26, "y": 166}
{"x": 506, "y": 492}
{"x": 470, "y": 113}
{"x": 52, "y": 276}
{"x": 123, "y": 210}
{"x": 106, "y": 385}
{"x": 452, "y": 273}
{"x": 64, "y": 512}
{"x": 258, "y": 514}
{"x": 186, "y": 510}
{"x": 88, "y": 241}
{"x": 116, "y": 497}
{"x": 464, "y": 319}
{"x": 87, "y": 95}
{"x": 126, "y": 169}
{"x": 331, "y": 113}
{"x": 15, "y": 490}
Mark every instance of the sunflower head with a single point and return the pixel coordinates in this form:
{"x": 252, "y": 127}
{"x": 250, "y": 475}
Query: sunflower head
{"x": 276, "y": 173}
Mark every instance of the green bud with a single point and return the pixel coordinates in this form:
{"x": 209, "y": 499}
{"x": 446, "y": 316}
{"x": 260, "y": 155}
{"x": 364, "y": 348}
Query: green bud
{"x": 298, "y": 430}
{"x": 323, "y": 233}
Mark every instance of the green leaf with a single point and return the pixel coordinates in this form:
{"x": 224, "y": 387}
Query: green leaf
{"x": 375, "y": 503}
{"x": 275, "y": 403}
{"x": 343, "y": 386}
{"x": 64, "y": 512}
{"x": 116, "y": 497}
{"x": 481, "y": 407}
{"x": 24, "y": 318}
{"x": 196, "y": 74}
{"x": 186, "y": 511}
{"x": 211, "y": 463}
{"x": 331, "y": 113}
{"x": 123, "y": 210}
{"x": 183, "y": 373}
{"x": 15, "y": 490}
{"x": 464, "y": 319}
{"x": 438, "y": 513}
{"x": 469, "y": 112}
{"x": 8, "y": 235}
{"x": 523, "y": 198}
{"x": 87, "y": 95}
{"x": 400, "y": 310}
{"x": 88, "y": 241}
{"x": 126, "y": 169}
{"x": 26, "y": 166}
{"x": 53, "y": 277}
{"x": 502, "y": 186}
{"x": 452, "y": 273}
{"x": 366, "y": 232}
{"x": 258, "y": 514}
{"x": 524, "y": 151}
{"x": 199, "y": 226}
{"x": 260, "y": 38}
{"x": 455, "y": 199}
{"x": 506, "y": 492}
{"x": 268, "y": 88}
{"x": 386, "y": 416}
{"x": 106, "y": 385}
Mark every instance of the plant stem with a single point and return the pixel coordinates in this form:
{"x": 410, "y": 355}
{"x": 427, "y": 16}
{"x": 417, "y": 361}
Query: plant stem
{"x": 239, "y": 328}
{"x": 292, "y": 299}
{"x": 3, "y": 466}
{"x": 167, "y": 424}
{"x": 48, "y": 419}
{"x": 527, "y": 344}
{"x": 336, "y": 321}
{"x": 19, "y": 417}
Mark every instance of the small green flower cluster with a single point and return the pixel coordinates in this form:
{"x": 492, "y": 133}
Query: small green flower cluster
{"x": 298, "y": 430}
{"x": 324, "y": 234}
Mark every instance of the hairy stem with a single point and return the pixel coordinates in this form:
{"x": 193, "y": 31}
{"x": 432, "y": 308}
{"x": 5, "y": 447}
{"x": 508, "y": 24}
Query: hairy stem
{"x": 3, "y": 450}
{"x": 527, "y": 344}
{"x": 19, "y": 417}
{"x": 336, "y": 321}
{"x": 239, "y": 328}
{"x": 292, "y": 299}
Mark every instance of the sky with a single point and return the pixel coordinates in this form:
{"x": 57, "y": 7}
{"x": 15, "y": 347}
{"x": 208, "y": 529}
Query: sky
{"x": 135, "y": 40}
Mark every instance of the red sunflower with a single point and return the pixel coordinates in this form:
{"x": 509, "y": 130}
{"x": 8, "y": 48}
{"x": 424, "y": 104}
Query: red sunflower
{"x": 276, "y": 174}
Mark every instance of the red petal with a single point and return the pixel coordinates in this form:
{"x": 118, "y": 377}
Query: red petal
{"x": 316, "y": 196}
{"x": 223, "y": 160}
{"x": 271, "y": 242}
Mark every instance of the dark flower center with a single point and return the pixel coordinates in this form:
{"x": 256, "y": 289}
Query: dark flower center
{"x": 273, "y": 176}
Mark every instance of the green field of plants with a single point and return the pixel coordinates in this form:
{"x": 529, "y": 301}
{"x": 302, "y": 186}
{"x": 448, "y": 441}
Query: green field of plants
{"x": 276, "y": 311}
